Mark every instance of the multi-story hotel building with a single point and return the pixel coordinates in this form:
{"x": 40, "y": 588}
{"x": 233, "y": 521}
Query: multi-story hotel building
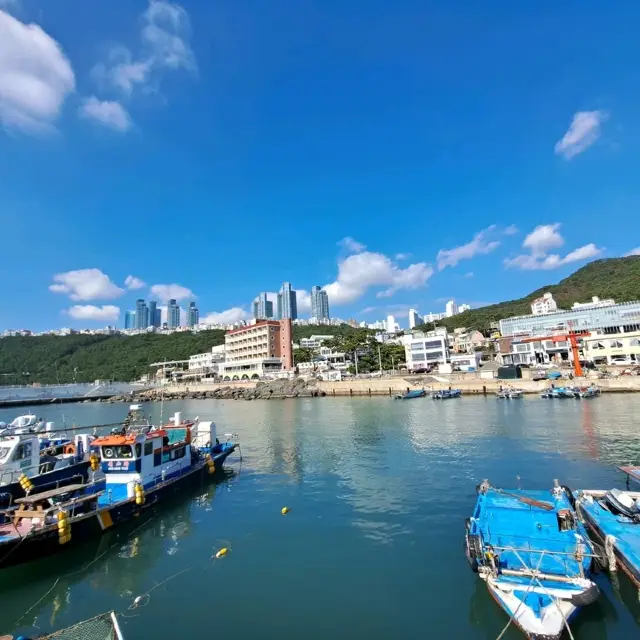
{"x": 258, "y": 349}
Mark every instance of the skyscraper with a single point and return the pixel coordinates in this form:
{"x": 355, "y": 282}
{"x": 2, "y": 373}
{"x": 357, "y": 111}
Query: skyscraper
{"x": 130, "y": 320}
{"x": 173, "y": 314}
{"x": 319, "y": 304}
{"x": 262, "y": 307}
{"x": 414, "y": 319}
{"x": 451, "y": 309}
{"x": 193, "y": 315}
{"x": 287, "y": 302}
{"x": 154, "y": 314}
{"x": 142, "y": 314}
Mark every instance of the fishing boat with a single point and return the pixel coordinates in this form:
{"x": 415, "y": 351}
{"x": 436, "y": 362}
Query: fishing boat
{"x": 27, "y": 421}
{"x": 613, "y": 519}
{"x": 141, "y": 468}
{"x": 102, "y": 627}
{"x": 417, "y": 393}
{"x": 446, "y": 394}
{"x": 509, "y": 394}
{"x": 588, "y": 392}
{"x": 534, "y": 555}
{"x": 44, "y": 459}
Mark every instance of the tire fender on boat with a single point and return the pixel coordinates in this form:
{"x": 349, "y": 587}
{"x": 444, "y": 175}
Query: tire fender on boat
{"x": 586, "y": 597}
{"x": 473, "y": 549}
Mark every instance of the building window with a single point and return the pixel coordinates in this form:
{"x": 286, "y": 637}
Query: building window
{"x": 433, "y": 344}
{"x": 418, "y": 357}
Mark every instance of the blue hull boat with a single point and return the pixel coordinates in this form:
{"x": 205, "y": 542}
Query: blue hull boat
{"x": 613, "y": 519}
{"x": 418, "y": 393}
{"x": 534, "y": 555}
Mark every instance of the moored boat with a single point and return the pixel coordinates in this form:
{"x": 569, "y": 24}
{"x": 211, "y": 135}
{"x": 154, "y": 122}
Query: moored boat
{"x": 416, "y": 393}
{"x": 446, "y": 394}
{"x": 141, "y": 468}
{"x": 588, "y": 392}
{"x": 534, "y": 555}
{"x": 613, "y": 519}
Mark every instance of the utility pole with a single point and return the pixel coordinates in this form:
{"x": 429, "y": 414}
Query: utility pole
{"x": 355, "y": 354}
{"x": 379, "y": 360}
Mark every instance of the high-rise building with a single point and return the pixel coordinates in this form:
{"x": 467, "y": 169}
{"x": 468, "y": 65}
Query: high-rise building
{"x": 262, "y": 307}
{"x": 193, "y": 316}
{"x": 319, "y": 304}
{"x": 130, "y": 320}
{"x": 287, "y": 302}
{"x": 464, "y": 307}
{"x": 391, "y": 324}
{"x": 451, "y": 309}
{"x": 414, "y": 319}
{"x": 154, "y": 314}
{"x": 142, "y": 314}
{"x": 173, "y": 314}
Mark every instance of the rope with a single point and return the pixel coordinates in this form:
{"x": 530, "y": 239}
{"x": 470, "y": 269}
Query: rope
{"x": 609, "y": 541}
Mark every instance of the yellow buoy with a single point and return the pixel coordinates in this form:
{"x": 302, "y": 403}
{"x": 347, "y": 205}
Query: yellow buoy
{"x": 222, "y": 553}
{"x": 285, "y": 510}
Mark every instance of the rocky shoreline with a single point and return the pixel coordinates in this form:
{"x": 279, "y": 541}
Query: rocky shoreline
{"x": 275, "y": 390}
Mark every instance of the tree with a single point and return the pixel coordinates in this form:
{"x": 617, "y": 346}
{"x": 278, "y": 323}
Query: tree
{"x": 302, "y": 355}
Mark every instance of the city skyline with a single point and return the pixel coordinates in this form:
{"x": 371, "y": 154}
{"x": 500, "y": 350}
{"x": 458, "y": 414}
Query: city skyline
{"x": 397, "y": 178}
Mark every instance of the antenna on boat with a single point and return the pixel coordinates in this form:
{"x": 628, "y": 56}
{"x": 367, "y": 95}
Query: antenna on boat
{"x": 162, "y": 395}
{"x": 518, "y": 482}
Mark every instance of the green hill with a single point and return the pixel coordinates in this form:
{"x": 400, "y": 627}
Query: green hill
{"x": 617, "y": 278}
{"x": 84, "y": 358}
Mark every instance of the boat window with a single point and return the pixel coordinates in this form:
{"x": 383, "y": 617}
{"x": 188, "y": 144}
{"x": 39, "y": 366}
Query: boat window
{"x": 117, "y": 452}
{"x": 4, "y": 453}
{"x": 148, "y": 448}
{"x": 23, "y": 451}
{"x": 138, "y": 450}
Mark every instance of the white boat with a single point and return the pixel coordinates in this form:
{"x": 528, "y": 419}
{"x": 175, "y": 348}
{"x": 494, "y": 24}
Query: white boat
{"x": 27, "y": 422}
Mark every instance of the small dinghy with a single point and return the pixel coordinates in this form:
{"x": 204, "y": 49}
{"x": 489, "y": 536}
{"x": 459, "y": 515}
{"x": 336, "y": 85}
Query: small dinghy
{"x": 446, "y": 394}
{"x": 534, "y": 555}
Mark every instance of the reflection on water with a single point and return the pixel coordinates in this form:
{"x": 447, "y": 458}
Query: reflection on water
{"x": 378, "y": 492}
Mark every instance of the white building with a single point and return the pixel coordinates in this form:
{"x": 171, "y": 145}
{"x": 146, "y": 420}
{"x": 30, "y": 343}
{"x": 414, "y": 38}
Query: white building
{"x": 544, "y": 304}
{"x": 208, "y": 362}
{"x": 314, "y": 342}
{"x": 466, "y": 361}
{"x": 391, "y": 324}
{"x": 451, "y": 309}
{"x": 434, "y": 317}
{"x": 594, "y": 304}
{"x": 427, "y": 349}
{"x": 464, "y": 307}
{"x": 414, "y": 319}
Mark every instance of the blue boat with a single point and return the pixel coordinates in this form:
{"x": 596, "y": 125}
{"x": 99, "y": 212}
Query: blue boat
{"x": 141, "y": 468}
{"x": 417, "y": 393}
{"x": 446, "y": 394}
{"x": 534, "y": 555}
{"x": 613, "y": 519}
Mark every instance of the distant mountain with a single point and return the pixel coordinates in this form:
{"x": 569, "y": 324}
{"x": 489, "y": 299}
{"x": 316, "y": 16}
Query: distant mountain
{"x": 617, "y": 278}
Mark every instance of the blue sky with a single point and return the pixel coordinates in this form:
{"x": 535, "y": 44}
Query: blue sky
{"x": 402, "y": 153}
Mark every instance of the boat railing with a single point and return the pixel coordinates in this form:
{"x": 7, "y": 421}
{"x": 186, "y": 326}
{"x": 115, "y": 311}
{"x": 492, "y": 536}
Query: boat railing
{"x": 561, "y": 557}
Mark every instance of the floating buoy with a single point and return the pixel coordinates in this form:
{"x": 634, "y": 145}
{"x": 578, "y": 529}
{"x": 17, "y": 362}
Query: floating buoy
{"x": 285, "y": 510}
{"x": 222, "y": 553}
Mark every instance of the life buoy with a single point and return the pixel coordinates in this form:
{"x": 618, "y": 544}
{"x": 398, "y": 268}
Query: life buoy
{"x": 70, "y": 448}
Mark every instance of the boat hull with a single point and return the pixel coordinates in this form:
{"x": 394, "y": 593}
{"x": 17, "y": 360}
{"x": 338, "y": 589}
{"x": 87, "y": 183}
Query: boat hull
{"x": 43, "y": 543}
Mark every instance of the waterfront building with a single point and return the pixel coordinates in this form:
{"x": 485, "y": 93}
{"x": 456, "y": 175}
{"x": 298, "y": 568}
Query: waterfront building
{"x": 466, "y": 361}
{"x": 314, "y": 342}
{"x": 425, "y": 349}
{"x": 130, "y": 320}
{"x": 451, "y": 309}
{"x": 142, "y": 314}
{"x": 287, "y": 302}
{"x": 263, "y": 348}
{"x": 193, "y": 315}
{"x": 595, "y": 303}
{"x": 414, "y": 319}
{"x": 209, "y": 362}
{"x": 611, "y": 319}
{"x": 617, "y": 348}
{"x": 319, "y": 305}
{"x": 173, "y": 314}
{"x": 262, "y": 307}
{"x": 543, "y": 305}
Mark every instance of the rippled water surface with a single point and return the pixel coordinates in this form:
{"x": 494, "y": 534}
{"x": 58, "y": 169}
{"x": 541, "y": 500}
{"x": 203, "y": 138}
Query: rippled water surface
{"x": 372, "y": 547}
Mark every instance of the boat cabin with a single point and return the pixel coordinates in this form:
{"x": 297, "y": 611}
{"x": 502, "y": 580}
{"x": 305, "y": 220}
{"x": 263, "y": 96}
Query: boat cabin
{"x": 145, "y": 458}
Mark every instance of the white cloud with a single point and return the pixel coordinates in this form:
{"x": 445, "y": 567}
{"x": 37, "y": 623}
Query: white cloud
{"x": 479, "y": 245}
{"x": 469, "y": 274}
{"x": 634, "y": 252}
{"x": 543, "y": 238}
{"x": 166, "y": 292}
{"x": 582, "y": 133}
{"x": 361, "y": 271}
{"x": 351, "y": 246}
{"x": 132, "y": 283}
{"x": 85, "y": 284}
{"x": 230, "y": 316}
{"x": 164, "y": 44}
{"x": 35, "y": 76}
{"x": 107, "y": 112}
{"x": 105, "y": 313}
{"x": 540, "y": 241}
{"x": 511, "y": 230}
{"x": 403, "y": 256}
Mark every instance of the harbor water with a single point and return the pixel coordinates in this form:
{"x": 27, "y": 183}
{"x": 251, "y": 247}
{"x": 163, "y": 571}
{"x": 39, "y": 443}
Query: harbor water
{"x": 373, "y": 544}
